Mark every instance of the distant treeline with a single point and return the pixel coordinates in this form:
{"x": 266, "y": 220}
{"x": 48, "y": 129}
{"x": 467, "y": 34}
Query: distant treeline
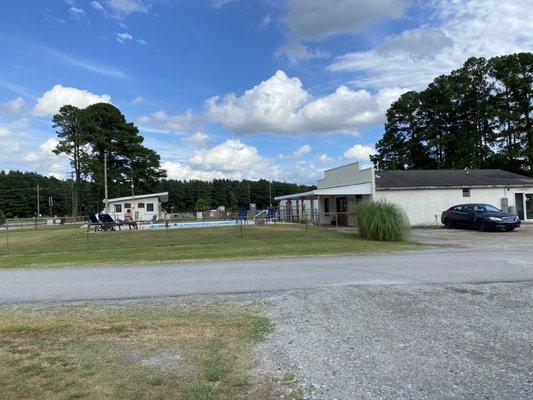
{"x": 18, "y": 194}
{"x": 478, "y": 116}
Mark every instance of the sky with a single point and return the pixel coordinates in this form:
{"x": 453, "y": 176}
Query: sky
{"x": 274, "y": 89}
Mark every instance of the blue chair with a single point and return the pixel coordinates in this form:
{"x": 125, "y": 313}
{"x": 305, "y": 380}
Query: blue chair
{"x": 271, "y": 213}
{"x": 243, "y": 214}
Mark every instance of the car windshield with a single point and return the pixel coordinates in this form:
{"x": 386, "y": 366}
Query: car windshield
{"x": 485, "y": 208}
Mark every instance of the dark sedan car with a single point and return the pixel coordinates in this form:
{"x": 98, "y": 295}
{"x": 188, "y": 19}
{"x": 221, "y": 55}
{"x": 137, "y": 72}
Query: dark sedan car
{"x": 483, "y": 217}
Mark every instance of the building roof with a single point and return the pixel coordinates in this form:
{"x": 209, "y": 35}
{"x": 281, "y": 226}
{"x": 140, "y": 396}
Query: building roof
{"x": 362, "y": 188}
{"x": 163, "y": 197}
{"x": 449, "y": 178}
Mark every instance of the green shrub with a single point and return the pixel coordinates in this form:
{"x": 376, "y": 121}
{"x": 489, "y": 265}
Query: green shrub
{"x": 381, "y": 221}
{"x": 2, "y": 218}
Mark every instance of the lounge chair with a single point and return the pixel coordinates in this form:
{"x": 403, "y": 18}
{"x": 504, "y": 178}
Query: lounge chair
{"x": 271, "y": 214}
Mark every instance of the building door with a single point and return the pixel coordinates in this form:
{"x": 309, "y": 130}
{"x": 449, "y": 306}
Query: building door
{"x": 519, "y": 201}
{"x": 529, "y": 206}
{"x": 342, "y": 210}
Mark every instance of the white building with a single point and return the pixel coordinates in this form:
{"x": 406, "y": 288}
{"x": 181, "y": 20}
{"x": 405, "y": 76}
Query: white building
{"x": 143, "y": 207}
{"x": 423, "y": 194}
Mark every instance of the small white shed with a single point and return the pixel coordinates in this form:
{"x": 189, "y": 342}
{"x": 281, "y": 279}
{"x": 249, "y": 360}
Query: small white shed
{"x": 143, "y": 206}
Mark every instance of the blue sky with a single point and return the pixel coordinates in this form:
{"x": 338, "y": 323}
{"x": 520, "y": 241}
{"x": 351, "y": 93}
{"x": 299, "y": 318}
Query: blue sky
{"x": 280, "y": 89}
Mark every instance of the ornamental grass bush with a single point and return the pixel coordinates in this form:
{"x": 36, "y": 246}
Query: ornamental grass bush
{"x": 381, "y": 221}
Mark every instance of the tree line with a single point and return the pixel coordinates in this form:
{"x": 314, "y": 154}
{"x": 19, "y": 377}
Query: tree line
{"x": 18, "y": 195}
{"x": 478, "y": 116}
{"x": 100, "y": 134}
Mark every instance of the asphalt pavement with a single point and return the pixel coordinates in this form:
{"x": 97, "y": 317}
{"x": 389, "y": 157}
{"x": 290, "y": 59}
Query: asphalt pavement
{"x": 432, "y": 266}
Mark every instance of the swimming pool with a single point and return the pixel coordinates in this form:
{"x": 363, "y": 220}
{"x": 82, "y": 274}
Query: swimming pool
{"x": 189, "y": 225}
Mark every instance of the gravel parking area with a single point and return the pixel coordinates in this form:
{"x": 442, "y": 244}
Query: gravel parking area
{"x": 469, "y": 238}
{"x": 404, "y": 342}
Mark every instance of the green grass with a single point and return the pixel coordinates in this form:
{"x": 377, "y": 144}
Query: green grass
{"x": 126, "y": 352}
{"x": 68, "y": 246}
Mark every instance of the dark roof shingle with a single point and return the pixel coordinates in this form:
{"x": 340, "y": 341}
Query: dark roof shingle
{"x": 452, "y": 178}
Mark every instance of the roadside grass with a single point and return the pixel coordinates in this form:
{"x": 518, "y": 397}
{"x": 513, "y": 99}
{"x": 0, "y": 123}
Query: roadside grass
{"x": 147, "y": 352}
{"x": 72, "y": 246}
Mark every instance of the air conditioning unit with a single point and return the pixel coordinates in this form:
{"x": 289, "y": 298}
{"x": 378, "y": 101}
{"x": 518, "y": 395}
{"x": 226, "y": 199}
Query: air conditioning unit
{"x": 505, "y": 204}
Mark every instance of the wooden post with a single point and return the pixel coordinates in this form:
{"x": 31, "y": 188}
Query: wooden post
{"x": 7, "y": 239}
{"x": 87, "y": 238}
{"x": 241, "y": 229}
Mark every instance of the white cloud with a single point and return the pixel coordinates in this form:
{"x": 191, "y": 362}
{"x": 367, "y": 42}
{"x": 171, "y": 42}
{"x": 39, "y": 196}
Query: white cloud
{"x": 51, "y": 101}
{"x": 43, "y": 159}
{"x": 359, "y": 152}
{"x": 44, "y": 151}
{"x": 12, "y": 107}
{"x": 138, "y": 100}
{"x": 50, "y": 17}
{"x": 123, "y": 37}
{"x": 120, "y": 9}
{"x": 97, "y": 6}
{"x": 281, "y": 105}
{"x": 198, "y": 139}
{"x": 4, "y": 132}
{"x": 318, "y": 19}
{"x": 231, "y": 159}
{"x": 267, "y": 20}
{"x": 295, "y": 52}
{"x": 324, "y": 158}
{"x": 221, "y": 3}
{"x": 141, "y": 41}
{"x": 160, "y": 121}
{"x": 76, "y": 13}
{"x": 456, "y": 31}
{"x": 305, "y": 149}
{"x": 123, "y": 8}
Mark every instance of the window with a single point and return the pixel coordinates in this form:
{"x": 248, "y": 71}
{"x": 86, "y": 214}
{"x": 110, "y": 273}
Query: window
{"x": 466, "y": 192}
{"x": 127, "y": 205}
{"x": 140, "y": 205}
{"x": 326, "y": 206}
{"x": 118, "y": 208}
{"x": 149, "y": 206}
{"x": 485, "y": 208}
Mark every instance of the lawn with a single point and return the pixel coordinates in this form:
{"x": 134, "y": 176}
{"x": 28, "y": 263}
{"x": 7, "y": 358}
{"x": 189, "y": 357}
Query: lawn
{"x": 73, "y": 246}
{"x": 131, "y": 352}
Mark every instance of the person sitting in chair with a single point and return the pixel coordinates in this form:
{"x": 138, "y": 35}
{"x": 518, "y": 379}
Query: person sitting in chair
{"x": 128, "y": 218}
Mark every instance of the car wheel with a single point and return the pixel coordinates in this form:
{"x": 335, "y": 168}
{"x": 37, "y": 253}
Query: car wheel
{"x": 481, "y": 226}
{"x": 448, "y": 223}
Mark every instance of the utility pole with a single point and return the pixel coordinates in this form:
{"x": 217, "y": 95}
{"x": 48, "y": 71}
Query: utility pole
{"x": 105, "y": 182}
{"x": 270, "y": 192}
{"x": 38, "y": 203}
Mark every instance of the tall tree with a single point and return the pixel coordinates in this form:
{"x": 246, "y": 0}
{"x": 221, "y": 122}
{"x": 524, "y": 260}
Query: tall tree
{"x": 68, "y": 123}
{"x": 478, "y": 116}
{"x": 128, "y": 160}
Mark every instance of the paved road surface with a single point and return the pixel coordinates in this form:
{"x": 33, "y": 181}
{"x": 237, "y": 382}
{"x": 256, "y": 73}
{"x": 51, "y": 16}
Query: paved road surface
{"x": 421, "y": 267}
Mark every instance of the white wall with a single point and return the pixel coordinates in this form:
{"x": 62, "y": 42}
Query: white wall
{"x": 141, "y": 214}
{"x": 425, "y": 206}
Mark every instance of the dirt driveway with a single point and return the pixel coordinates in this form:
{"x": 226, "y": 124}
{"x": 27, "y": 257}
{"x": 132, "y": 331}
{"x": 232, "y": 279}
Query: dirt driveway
{"x": 468, "y": 238}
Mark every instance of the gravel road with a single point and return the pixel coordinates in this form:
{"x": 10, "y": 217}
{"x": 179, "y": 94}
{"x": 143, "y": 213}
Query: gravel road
{"x": 404, "y": 341}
